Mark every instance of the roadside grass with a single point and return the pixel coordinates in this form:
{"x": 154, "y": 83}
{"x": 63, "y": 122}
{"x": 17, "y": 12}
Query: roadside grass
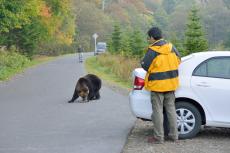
{"x": 14, "y": 63}
{"x": 114, "y": 69}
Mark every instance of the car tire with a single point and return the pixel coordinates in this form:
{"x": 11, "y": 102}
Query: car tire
{"x": 189, "y": 123}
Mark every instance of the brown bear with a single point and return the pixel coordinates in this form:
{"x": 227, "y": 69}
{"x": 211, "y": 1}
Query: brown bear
{"x": 87, "y": 87}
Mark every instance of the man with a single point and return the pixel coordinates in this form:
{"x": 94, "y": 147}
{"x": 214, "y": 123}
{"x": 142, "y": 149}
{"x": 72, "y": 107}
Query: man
{"x": 80, "y": 53}
{"x": 161, "y": 62}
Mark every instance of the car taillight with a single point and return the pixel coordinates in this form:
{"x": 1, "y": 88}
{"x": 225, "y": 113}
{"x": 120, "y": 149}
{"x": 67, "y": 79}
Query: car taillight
{"x": 138, "y": 83}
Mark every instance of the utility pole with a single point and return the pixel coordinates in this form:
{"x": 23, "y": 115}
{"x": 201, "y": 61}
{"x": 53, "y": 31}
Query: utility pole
{"x": 103, "y": 5}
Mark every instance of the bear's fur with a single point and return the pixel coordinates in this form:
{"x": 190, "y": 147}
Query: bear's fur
{"x": 87, "y": 87}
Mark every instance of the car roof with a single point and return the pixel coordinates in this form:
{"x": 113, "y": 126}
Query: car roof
{"x": 104, "y": 43}
{"x": 190, "y": 62}
{"x": 212, "y": 53}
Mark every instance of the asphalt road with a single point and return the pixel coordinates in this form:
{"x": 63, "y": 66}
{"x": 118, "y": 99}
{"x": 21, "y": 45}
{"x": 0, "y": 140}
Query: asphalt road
{"x": 36, "y": 118}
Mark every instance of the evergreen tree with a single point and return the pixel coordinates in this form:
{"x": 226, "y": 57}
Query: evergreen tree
{"x": 137, "y": 43}
{"x": 178, "y": 43}
{"x": 116, "y": 39}
{"x": 125, "y": 44}
{"x": 195, "y": 40}
{"x": 109, "y": 45}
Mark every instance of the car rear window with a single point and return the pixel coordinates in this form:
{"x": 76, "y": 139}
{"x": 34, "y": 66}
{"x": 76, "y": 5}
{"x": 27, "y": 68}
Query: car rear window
{"x": 218, "y": 67}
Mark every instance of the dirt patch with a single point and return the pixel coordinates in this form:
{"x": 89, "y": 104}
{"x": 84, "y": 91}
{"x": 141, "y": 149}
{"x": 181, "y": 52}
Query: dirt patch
{"x": 209, "y": 140}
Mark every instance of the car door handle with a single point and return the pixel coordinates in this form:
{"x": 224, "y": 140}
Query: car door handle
{"x": 203, "y": 84}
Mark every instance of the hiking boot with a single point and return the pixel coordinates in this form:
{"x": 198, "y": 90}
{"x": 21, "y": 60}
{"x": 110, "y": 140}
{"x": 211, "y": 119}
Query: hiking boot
{"x": 154, "y": 140}
{"x": 172, "y": 139}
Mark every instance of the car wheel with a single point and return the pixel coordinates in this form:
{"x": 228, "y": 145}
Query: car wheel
{"x": 188, "y": 120}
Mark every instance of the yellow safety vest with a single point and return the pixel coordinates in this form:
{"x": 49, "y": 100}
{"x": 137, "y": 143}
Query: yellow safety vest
{"x": 162, "y": 75}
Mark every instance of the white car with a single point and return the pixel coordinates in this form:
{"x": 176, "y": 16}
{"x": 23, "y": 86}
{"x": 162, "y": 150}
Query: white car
{"x": 203, "y": 97}
{"x": 101, "y": 47}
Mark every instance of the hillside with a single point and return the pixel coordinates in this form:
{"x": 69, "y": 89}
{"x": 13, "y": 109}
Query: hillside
{"x": 170, "y": 15}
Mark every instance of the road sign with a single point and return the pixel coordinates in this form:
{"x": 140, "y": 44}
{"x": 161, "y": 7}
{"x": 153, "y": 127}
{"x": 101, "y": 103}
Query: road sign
{"x": 95, "y": 36}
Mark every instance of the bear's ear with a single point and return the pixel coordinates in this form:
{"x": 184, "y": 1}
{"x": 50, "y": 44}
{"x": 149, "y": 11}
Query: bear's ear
{"x": 82, "y": 79}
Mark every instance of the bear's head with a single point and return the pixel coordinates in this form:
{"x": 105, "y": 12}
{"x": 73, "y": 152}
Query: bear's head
{"x": 83, "y": 91}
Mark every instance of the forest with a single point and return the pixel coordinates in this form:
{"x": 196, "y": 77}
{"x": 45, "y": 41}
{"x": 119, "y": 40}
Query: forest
{"x": 36, "y": 26}
{"x": 53, "y": 27}
{"x": 124, "y": 23}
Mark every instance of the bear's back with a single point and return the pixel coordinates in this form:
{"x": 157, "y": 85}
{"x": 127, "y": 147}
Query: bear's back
{"x": 95, "y": 81}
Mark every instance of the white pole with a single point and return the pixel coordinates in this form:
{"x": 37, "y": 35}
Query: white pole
{"x": 95, "y": 43}
{"x": 103, "y": 5}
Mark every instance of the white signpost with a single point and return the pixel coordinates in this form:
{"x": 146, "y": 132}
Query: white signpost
{"x": 95, "y": 42}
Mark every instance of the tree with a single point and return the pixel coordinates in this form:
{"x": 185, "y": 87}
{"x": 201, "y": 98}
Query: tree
{"x": 137, "y": 43}
{"x": 178, "y": 43}
{"x": 125, "y": 44}
{"x": 116, "y": 38}
{"x": 15, "y": 14}
{"x": 161, "y": 19}
{"x": 216, "y": 18}
{"x": 20, "y": 25}
{"x": 28, "y": 38}
{"x": 195, "y": 40}
{"x": 28, "y": 24}
{"x": 90, "y": 22}
{"x": 169, "y": 5}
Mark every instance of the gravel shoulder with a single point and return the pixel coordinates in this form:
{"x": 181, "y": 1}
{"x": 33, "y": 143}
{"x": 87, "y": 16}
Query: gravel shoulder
{"x": 209, "y": 140}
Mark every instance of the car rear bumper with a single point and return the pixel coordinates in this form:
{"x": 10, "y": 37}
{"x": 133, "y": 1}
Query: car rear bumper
{"x": 140, "y": 104}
